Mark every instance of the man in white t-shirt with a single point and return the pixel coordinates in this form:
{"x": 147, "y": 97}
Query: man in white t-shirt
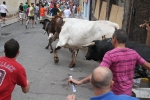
{"x": 67, "y": 12}
{"x": 3, "y": 9}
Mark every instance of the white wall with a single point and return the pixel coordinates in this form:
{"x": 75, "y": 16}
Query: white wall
{"x": 13, "y": 6}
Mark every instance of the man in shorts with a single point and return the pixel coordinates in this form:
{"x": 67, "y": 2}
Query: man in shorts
{"x": 3, "y": 9}
{"x": 31, "y": 15}
{"x": 21, "y": 12}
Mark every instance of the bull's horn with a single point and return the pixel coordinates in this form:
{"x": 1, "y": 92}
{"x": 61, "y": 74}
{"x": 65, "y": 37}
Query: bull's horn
{"x": 90, "y": 44}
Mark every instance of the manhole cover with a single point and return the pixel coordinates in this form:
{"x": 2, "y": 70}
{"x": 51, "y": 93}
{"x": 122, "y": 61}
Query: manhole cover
{"x": 5, "y": 34}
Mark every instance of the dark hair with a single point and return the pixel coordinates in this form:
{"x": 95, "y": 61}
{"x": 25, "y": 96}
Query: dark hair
{"x": 4, "y": 2}
{"x": 42, "y": 5}
{"x": 11, "y": 48}
{"x": 105, "y": 81}
{"x": 55, "y": 5}
{"x": 37, "y": 4}
{"x": 121, "y": 36}
{"x": 26, "y": 2}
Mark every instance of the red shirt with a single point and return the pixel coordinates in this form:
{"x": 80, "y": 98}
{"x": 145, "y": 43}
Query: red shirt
{"x": 42, "y": 11}
{"x": 11, "y": 73}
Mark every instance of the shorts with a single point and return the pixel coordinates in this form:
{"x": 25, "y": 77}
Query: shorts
{"x": 21, "y": 15}
{"x": 3, "y": 14}
{"x": 42, "y": 17}
{"x": 31, "y": 17}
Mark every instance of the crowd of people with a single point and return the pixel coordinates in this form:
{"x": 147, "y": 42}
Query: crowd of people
{"x": 40, "y": 10}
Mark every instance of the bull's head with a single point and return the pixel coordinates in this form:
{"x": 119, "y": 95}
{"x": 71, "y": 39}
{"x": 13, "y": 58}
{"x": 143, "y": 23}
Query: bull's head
{"x": 97, "y": 49}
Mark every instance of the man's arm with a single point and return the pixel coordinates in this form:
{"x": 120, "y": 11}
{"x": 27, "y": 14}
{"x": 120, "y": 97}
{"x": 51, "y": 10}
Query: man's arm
{"x": 26, "y": 89}
{"x": 146, "y": 65}
{"x": 83, "y": 81}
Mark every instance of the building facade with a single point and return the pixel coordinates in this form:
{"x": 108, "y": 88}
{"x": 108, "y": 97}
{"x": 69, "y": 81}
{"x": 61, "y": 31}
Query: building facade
{"x": 134, "y": 14}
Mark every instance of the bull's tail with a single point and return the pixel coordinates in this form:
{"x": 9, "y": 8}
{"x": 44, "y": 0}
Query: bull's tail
{"x": 116, "y": 26}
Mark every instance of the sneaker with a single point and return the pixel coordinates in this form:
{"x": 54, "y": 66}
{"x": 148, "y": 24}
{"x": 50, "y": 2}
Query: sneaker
{"x": 26, "y": 26}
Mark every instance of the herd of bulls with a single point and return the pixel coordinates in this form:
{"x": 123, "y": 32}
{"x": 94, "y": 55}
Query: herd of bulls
{"x": 76, "y": 34}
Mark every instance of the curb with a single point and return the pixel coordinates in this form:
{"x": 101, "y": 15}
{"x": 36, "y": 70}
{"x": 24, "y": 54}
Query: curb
{"x": 9, "y": 23}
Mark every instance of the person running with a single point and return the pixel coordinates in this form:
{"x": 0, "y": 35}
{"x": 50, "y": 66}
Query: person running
{"x": 31, "y": 15}
{"x": 54, "y": 10}
{"x": 36, "y": 12}
{"x": 3, "y": 9}
{"x": 25, "y": 6}
{"x": 67, "y": 12}
{"x": 11, "y": 71}
{"x": 21, "y": 12}
{"x": 42, "y": 12}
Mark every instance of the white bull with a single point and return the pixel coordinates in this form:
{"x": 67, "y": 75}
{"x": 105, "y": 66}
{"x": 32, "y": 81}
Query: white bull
{"x": 78, "y": 32}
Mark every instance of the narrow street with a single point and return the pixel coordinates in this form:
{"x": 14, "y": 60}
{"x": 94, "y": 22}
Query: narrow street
{"x": 48, "y": 80}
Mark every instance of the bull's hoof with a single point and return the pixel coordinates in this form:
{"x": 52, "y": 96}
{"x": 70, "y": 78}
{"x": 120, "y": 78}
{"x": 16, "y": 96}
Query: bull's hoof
{"x": 51, "y": 51}
{"x": 72, "y": 65}
{"x": 46, "y": 47}
{"x": 56, "y": 59}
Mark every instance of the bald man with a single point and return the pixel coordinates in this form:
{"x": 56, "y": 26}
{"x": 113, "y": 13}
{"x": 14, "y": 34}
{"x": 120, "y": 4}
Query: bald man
{"x": 102, "y": 82}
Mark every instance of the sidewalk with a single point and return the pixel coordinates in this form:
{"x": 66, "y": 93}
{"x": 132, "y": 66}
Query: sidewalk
{"x": 9, "y": 21}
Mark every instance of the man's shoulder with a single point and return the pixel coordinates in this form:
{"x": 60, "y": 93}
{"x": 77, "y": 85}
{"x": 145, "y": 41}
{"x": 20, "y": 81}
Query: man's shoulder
{"x": 125, "y": 97}
{"x": 116, "y": 50}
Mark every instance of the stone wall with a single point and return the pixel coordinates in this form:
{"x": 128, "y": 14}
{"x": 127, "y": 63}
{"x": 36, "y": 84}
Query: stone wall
{"x": 142, "y": 12}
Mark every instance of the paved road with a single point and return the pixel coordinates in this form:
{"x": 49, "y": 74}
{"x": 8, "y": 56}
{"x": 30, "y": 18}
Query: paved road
{"x": 48, "y": 80}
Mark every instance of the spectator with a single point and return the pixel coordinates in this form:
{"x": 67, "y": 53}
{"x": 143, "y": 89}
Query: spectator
{"x": 121, "y": 61}
{"x": 36, "y": 12}
{"x": 3, "y": 9}
{"x": 11, "y": 72}
{"x": 42, "y": 12}
{"x": 54, "y": 10}
{"x": 25, "y": 6}
{"x": 102, "y": 82}
{"x": 67, "y": 12}
{"x": 31, "y": 15}
{"x": 21, "y": 12}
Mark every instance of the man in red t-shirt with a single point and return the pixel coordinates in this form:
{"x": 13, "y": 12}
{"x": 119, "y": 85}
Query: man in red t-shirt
{"x": 11, "y": 72}
{"x": 42, "y": 12}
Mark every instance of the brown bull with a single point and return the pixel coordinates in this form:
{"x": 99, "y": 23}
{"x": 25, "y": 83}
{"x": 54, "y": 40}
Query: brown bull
{"x": 53, "y": 29}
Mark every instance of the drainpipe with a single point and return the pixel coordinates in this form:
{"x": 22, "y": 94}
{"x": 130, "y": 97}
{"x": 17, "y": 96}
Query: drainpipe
{"x": 107, "y": 9}
{"x": 90, "y": 14}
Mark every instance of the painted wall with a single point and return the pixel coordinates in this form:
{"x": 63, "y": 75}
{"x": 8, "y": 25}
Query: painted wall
{"x": 13, "y": 6}
{"x": 85, "y": 9}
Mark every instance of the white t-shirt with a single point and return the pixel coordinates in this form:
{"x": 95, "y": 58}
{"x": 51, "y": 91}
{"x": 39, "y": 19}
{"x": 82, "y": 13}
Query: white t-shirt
{"x": 3, "y": 8}
{"x": 67, "y": 13}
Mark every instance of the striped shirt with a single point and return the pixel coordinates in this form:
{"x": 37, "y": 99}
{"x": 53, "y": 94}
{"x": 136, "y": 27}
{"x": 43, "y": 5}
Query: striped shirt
{"x": 121, "y": 62}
